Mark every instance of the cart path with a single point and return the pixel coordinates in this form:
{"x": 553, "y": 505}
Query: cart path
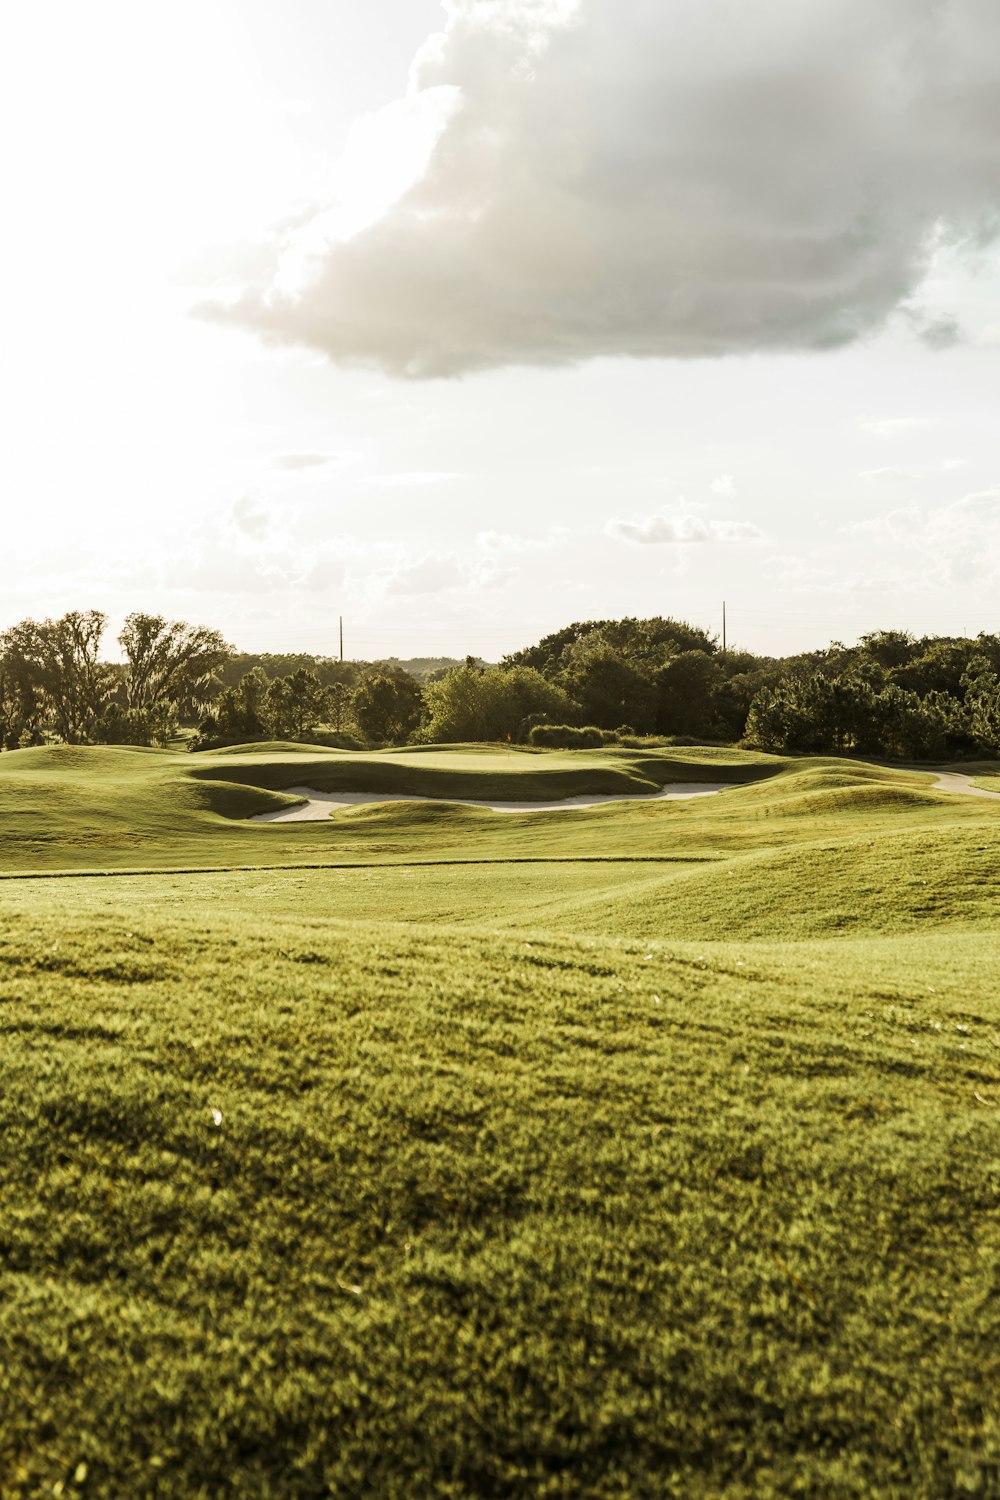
{"x": 320, "y": 805}
{"x": 958, "y": 781}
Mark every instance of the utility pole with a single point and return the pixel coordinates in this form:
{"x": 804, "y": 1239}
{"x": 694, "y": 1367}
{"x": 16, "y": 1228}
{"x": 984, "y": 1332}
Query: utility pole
{"x": 341, "y": 637}
{"x": 723, "y": 627}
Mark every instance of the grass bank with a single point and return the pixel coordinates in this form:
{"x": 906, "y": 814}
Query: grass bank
{"x": 638, "y": 1151}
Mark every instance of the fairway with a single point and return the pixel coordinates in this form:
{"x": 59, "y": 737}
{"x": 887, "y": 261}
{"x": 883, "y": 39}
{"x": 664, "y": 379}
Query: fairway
{"x": 647, "y": 1148}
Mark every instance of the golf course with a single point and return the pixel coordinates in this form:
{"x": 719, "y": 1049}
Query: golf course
{"x": 642, "y": 1146}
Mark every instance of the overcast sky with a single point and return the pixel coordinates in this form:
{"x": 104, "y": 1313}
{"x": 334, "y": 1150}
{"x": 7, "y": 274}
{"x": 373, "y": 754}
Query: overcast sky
{"x": 467, "y": 320}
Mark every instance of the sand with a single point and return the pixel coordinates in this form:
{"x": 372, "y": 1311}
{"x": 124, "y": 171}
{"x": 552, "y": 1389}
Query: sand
{"x": 321, "y": 805}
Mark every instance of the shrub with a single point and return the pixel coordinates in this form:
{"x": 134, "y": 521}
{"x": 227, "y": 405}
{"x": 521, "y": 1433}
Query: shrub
{"x": 568, "y": 737}
{"x": 492, "y": 703}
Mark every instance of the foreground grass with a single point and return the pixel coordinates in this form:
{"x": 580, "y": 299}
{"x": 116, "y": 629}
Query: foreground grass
{"x": 365, "y": 1211}
{"x": 650, "y": 1150}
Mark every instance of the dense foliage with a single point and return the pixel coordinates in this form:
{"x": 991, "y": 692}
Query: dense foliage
{"x": 892, "y": 695}
{"x": 55, "y": 685}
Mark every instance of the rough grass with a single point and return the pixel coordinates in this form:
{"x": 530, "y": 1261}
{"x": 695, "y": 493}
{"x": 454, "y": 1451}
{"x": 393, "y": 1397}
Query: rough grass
{"x": 336, "y": 1211}
{"x": 652, "y": 1150}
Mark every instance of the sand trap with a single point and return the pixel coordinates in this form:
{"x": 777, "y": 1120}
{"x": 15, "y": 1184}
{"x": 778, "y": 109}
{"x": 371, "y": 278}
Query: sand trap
{"x": 321, "y": 805}
{"x": 957, "y": 781}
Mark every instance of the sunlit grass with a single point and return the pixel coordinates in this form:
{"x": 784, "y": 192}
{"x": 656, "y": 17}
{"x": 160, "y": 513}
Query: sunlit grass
{"x": 639, "y": 1151}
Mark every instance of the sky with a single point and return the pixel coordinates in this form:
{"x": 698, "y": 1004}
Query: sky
{"x": 464, "y": 321}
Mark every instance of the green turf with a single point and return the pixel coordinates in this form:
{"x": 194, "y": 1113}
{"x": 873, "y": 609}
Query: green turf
{"x": 78, "y": 808}
{"x": 644, "y": 1150}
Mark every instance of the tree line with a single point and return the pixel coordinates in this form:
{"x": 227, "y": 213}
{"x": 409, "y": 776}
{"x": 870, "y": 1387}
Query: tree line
{"x": 55, "y": 684}
{"x": 892, "y": 694}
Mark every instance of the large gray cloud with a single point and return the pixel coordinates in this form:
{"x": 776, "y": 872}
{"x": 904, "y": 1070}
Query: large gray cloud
{"x": 662, "y": 178}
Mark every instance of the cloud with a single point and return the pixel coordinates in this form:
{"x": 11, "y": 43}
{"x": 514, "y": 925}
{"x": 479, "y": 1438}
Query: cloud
{"x": 681, "y": 529}
{"x": 441, "y": 573}
{"x": 415, "y": 479}
{"x": 962, "y": 540}
{"x": 251, "y": 518}
{"x": 888, "y": 472}
{"x": 574, "y": 178}
{"x": 948, "y": 546}
{"x": 891, "y": 426}
{"x": 939, "y": 333}
{"x": 724, "y": 485}
{"x": 252, "y": 549}
{"x": 295, "y": 461}
{"x": 505, "y": 542}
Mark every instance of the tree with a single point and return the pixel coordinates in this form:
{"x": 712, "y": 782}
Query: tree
{"x": 388, "y": 705}
{"x": 888, "y": 649}
{"x": 733, "y": 697}
{"x": 686, "y": 685}
{"x": 22, "y": 702}
{"x": 294, "y": 705}
{"x": 609, "y": 690}
{"x": 981, "y": 706}
{"x": 154, "y": 725}
{"x": 173, "y": 662}
{"x": 648, "y": 641}
{"x": 492, "y": 703}
{"x": 57, "y": 674}
{"x": 238, "y": 715}
{"x": 339, "y": 698}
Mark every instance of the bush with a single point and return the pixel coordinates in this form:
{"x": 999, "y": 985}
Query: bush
{"x": 568, "y": 737}
{"x": 491, "y": 703}
{"x": 335, "y": 740}
{"x": 154, "y": 724}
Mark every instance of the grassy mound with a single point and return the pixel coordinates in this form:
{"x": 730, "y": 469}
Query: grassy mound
{"x": 502, "y": 776}
{"x": 71, "y": 808}
{"x": 356, "y": 1211}
{"x": 644, "y": 1150}
{"x": 272, "y": 747}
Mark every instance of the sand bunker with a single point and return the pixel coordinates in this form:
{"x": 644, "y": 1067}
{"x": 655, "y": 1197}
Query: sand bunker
{"x": 320, "y": 805}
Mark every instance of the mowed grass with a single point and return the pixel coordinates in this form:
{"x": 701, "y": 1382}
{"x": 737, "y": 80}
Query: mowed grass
{"x": 80, "y": 808}
{"x": 339, "y": 1210}
{"x": 648, "y": 1150}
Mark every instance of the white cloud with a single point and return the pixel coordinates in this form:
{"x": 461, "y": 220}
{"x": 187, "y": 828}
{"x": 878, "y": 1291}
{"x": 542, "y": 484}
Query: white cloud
{"x": 948, "y": 546}
{"x": 724, "y": 485}
{"x": 888, "y": 472}
{"x": 438, "y": 573}
{"x": 386, "y": 153}
{"x": 681, "y": 529}
{"x": 962, "y": 540}
{"x": 251, "y": 518}
{"x": 327, "y": 569}
{"x": 295, "y": 461}
{"x": 416, "y": 479}
{"x": 506, "y": 542}
{"x": 892, "y": 426}
{"x": 574, "y": 178}
{"x": 428, "y": 575}
{"x": 253, "y": 549}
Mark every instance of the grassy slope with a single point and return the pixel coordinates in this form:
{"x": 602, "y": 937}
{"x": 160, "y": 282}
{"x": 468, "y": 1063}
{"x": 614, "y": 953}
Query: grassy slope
{"x": 71, "y": 808}
{"x": 512, "y": 1204}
